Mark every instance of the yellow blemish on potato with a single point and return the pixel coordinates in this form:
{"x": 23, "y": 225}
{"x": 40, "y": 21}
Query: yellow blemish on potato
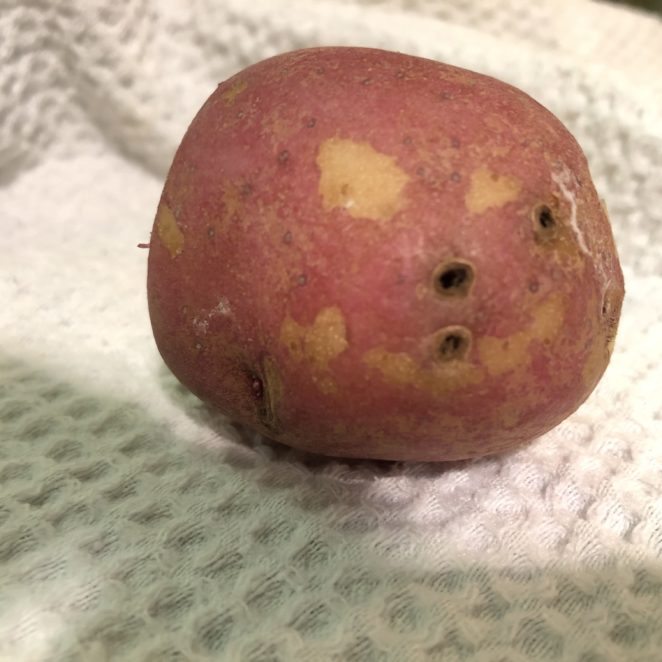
{"x": 231, "y": 200}
{"x": 611, "y": 341}
{"x": 230, "y": 95}
{"x": 168, "y": 230}
{"x": 358, "y": 178}
{"x": 317, "y": 344}
{"x": 401, "y": 369}
{"x": 510, "y": 414}
{"x": 500, "y": 355}
{"x": 487, "y": 189}
{"x": 596, "y": 364}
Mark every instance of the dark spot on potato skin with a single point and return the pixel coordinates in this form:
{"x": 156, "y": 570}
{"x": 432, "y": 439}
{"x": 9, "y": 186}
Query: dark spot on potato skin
{"x": 456, "y": 177}
{"x": 287, "y": 237}
{"x": 311, "y": 122}
{"x": 302, "y": 279}
{"x": 283, "y": 157}
{"x": 545, "y": 218}
{"x": 246, "y": 190}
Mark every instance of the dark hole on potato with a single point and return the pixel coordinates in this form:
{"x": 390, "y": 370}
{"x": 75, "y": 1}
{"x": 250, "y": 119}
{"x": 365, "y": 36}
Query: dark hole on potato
{"x": 454, "y": 278}
{"x": 454, "y": 343}
{"x": 545, "y": 217}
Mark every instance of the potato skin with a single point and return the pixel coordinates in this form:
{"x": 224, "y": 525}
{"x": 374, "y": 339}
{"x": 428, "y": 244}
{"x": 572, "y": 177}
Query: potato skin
{"x": 366, "y": 254}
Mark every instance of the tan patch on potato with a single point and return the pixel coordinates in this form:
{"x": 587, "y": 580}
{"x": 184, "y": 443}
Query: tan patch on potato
{"x": 277, "y": 126}
{"x": 500, "y": 355}
{"x": 231, "y": 200}
{"x": 487, "y": 189}
{"x": 401, "y": 369}
{"x": 510, "y": 413}
{"x": 611, "y": 339}
{"x": 317, "y": 344}
{"x": 358, "y": 178}
{"x": 611, "y": 314}
{"x": 168, "y": 230}
{"x": 557, "y": 236}
{"x": 596, "y": 363}
{"x": 230, "y": 95}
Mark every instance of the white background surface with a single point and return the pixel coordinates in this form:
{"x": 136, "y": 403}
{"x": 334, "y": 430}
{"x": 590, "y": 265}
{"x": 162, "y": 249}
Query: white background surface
{"x": 135, "y": 524}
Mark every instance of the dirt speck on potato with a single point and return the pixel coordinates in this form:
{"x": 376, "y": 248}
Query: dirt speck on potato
{"x": 358, "y": 178}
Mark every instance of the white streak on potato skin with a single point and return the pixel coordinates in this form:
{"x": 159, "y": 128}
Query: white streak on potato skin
{"x": 222, "y": 308}
{"x": 562, "y": 180}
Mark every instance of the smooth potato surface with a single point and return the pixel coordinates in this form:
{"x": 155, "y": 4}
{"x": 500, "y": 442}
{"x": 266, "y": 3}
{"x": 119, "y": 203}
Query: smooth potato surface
{"x": 362, "y": 253}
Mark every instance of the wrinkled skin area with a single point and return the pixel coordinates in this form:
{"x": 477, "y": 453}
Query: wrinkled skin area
{"x": 366, "y": 254}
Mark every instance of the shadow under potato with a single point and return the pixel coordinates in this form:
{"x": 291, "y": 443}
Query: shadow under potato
{"x": 122, "y": 538}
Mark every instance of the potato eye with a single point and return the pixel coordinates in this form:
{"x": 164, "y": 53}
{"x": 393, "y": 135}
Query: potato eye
{"x": 454, "y": 278}
{"x": 545, "y": 217}
{"x": 453, "y": 343}
{"x": 545, "y": 224}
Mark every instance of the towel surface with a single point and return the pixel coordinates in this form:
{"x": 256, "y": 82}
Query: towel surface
{"x": 135, "y": 524}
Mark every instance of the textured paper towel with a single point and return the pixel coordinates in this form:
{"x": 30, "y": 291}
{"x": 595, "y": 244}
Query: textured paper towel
{"x": 136, "y": 525}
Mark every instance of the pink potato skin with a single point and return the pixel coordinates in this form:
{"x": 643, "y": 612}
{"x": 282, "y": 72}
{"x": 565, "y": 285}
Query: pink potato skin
{"x": 309, "y": 211}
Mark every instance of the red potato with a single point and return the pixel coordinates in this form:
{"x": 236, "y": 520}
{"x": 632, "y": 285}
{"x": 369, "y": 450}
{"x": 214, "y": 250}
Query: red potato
{"x": 363, "y": 253}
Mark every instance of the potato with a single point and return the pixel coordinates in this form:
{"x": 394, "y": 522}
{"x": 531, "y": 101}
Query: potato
{"x": 366, "y": 254}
